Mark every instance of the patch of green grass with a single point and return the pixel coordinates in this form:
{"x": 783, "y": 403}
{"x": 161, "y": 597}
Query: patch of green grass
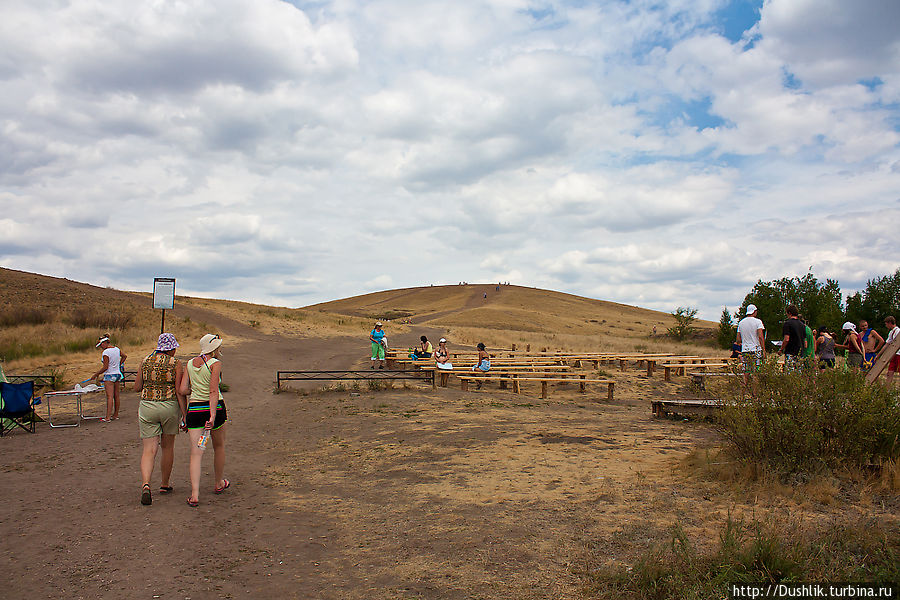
{"x": 750, "y": 552}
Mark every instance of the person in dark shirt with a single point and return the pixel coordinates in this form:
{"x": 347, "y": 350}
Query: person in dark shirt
{"x": 794, "y": 342}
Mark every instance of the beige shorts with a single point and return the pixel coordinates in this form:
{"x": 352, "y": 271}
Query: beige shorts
{"x": 160, "y": 417}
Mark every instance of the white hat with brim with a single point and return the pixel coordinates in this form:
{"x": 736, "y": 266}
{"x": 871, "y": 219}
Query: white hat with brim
{"x": 209, "y": 343}
{"x": 751, "y": 308}
{"x": 849, "y": 326}
{"x": 101, "y": 340}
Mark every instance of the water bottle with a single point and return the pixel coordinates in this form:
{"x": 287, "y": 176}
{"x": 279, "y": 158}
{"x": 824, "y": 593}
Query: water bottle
{"x": 204, "y": 437}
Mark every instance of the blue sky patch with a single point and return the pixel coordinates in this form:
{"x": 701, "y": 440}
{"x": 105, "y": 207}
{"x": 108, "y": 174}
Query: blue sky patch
{"x": 737, "y": 17}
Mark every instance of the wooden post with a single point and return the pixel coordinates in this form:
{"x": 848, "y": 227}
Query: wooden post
{"x": 434, "y": 379}
{"x": 668, "y": 373}
{"x": 650, "y": 364}
{"x": 544, "y": 389}
{"x": 609, "y": 393}
{"x": 582, "y": 382}
{"x": 527, "y": 347}
{"x": 515, "y": 386}
{"x": 513, "y": 347}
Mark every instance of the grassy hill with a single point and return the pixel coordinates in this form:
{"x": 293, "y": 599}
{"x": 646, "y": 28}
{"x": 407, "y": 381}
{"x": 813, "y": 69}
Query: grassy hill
{"x": 51, "y": 322}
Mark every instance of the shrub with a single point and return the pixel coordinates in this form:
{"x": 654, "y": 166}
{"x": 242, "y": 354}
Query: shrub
{"x": 25, "y": 316}
{"x": 87, "y": 318}
{"x": 725, "y": 334}
{"x": 684, "y": 323}
{"x": 809, "y": 422}
{"x": 760, "y": 552}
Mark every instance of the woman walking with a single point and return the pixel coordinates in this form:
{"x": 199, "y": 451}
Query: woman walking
{"x": 161, "y": 412}
{"x": 113, "y": 365}
{"x": 205, "y": 412}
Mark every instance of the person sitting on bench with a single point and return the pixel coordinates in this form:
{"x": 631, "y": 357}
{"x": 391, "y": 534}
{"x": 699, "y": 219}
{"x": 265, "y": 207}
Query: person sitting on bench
{"x": 442, "y": 357}
{"x": 484, "y": 360}
{"x": 425, "y": 349}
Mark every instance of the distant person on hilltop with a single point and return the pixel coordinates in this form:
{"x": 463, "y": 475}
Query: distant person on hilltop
{"x": 376, "y": 336}
{"x": 441, "y": 356}
{"x": 112, "y": 371}
{"x": 751, "y": 335}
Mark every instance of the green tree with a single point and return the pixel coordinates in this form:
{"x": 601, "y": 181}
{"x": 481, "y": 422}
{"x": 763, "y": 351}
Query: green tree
{"x": 726, "y": 334}
{"x": 820, "y": 303}
{"x": 880, "y": 298}
{"x": 684, "y": 323}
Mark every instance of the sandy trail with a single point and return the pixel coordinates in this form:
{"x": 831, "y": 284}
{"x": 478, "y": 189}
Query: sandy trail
{"x": 399, "y": 493}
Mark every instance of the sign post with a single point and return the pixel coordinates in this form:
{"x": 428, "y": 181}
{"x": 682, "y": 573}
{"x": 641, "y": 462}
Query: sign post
{"x": 163, "y": 297}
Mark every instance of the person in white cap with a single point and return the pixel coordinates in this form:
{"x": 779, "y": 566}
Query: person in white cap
{"x": 751, "y": 335}
{"x": 853, "y": 345}
{"x": 376, "y": 336}
{"x": 442, "y": 357}
{"x": 113, "y": 364}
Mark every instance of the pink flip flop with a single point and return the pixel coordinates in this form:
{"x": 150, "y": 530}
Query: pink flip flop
{"x": 219, "y": 490}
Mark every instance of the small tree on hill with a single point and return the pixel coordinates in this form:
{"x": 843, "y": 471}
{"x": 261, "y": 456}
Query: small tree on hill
{"x": 725, "y": 335}
{"x": 684, "y": 323}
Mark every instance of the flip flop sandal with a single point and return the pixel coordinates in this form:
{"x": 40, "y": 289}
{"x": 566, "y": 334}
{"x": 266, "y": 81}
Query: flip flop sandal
{"x": 165, "y": 489}
{"x": 223, "y": 488}
{"x": 193, "y": 503}
{"x": 146, "y": 497}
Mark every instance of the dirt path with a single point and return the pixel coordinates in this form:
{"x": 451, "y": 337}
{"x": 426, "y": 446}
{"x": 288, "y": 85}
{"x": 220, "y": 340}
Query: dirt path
{"x": 405, "y": 493}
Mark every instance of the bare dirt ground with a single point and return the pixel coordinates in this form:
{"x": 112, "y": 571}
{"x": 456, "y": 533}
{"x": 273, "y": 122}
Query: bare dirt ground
{"x": 402, "y": 493}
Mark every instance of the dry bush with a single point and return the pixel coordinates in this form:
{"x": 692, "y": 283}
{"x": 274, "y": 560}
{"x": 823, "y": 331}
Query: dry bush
{"x": 93, "y": 318}
{"x": 13, "y": 316}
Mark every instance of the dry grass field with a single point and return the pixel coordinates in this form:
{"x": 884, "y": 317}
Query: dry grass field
{"x": 404, "y": 491}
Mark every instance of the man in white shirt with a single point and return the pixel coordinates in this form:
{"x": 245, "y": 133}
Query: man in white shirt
{"x": 893, "y": 333}
{"x": 751, "y": 335}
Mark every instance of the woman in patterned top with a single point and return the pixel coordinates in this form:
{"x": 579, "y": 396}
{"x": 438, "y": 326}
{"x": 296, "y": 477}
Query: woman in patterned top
{"x": 161, "y": 412}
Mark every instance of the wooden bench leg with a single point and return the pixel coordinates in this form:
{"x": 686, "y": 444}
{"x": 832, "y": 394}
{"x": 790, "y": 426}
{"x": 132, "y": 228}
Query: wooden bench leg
{"x": 582, "y": 384}
{"x": 544, "y": 390}
{"x": 649, "y": 368}
{"x": 667, "y": 375}
{"x": 622, "y": 364}
{"x": 503, "y": 384}
{"x": 609, "y": 391}
{"x": 434, "y": 379}
{"x": 444, "y": 378}
{"x": 515, "y": 386}
{"x": 464, "y": 385}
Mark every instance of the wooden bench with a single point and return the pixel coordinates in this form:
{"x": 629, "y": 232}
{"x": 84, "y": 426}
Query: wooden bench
{"x": 680, "y": 368}
{"x": 698, "y": 378}
{"x": 552, "y": 378}
{"x": 694, "y": 406}
{"x": 467, "y": 370}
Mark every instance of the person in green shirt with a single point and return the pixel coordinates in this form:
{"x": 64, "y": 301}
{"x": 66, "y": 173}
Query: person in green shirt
{"x": 808, "y": 352}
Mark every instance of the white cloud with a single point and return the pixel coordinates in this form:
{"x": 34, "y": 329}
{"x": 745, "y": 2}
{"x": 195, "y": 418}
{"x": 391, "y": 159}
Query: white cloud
{"x": 618, "y": 149}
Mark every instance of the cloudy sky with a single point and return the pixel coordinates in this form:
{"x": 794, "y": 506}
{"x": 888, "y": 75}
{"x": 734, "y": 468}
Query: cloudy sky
{"x": 658, "y": 153}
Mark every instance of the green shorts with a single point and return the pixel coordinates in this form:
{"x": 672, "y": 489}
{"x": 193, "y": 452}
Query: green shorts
{"x": 158, "y": 417}
{"x": 377, "y": 351}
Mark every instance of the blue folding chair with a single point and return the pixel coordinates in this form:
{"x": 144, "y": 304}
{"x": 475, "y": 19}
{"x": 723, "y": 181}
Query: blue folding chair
{"x": 18, "y": 406}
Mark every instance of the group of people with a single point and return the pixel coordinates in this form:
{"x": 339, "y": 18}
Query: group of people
{"x": 802, "y": 345}
{"x": 425, "y": 349}
{"x": 174, "y": 396}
